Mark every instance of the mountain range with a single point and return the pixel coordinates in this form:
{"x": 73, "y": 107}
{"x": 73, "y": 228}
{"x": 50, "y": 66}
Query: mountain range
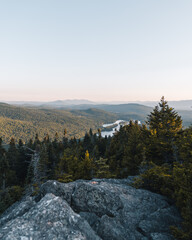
{"x": 83, "y": 103}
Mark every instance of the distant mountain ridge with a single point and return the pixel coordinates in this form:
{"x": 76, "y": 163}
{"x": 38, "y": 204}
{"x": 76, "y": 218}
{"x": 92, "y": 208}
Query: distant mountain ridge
{"x": 178, "y": 105}
{"x": 56, "y": 103}
{"x": 84, "y": 103}
{"x": 69, "y": 102}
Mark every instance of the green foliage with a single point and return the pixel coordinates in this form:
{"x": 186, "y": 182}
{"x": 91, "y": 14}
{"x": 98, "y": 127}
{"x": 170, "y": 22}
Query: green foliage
{"x": 157, "y": 179}
{"x": 164, "y": 124}
{"x": 86, "y": 167}
{"x": 23, "y": 123}
{"x": 161, "y": 153}
{"x": 164, "y": 120}
{"x": 4, "y": 171}
{"x": 65, "y": 178}
{"x": 8, "y": 196}
{"x": 67, "y": 168}
{"x": 43, "y": 164}
{"x": 101, "y": 169}
{"x": 171, "y": 148}
{"x": 127, "y": 150}
{"x": 182, "y": 175}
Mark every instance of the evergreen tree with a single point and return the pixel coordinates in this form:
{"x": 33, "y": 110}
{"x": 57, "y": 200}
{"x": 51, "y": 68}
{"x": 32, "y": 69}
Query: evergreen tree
{"x": 68, "y": 167}
{"x": 164, "y": 124}
{"x": 90, "y": 132}
{"x": 4, "y": 170}
{"x": 134, "y": 150}
{"x": 65, "y": 132}
{"x": 2, "y": 150}
{"x": 43, "y": 165}
{"x": 86, "y": 167}
{"x": 46, "y": 139}
{"x": 22, "y": 163}
{"x": 37, "y": 141}
{"x": 4, "y": 166}
{"x": 102, "y": 168}
{"x": 30, "y": 144}
{"x": 182, "y": 176}
{"x": 12, "y": 154}
{"x": 53, "y": 156}
{"x": 87, "y": 144}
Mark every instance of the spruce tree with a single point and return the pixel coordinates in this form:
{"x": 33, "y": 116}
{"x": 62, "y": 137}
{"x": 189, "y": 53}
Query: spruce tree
{"x": 43, "y": 165}
{"x": 102, "y": 168}
{"x": 164, "y": 124}
{"x": 22, "y": 163}
{"x": 4, "y": 170}
{"x": 12, "y": 154}
{"x": 2, "y": 150}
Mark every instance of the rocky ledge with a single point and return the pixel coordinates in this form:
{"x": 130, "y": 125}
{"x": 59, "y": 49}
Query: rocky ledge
{"x": 90, "y": 210}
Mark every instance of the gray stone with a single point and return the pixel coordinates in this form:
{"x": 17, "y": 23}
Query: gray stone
{"x": 51, "y": 218}
{"x": 58, "y": 189}
{"x": 161, "y": 236}
{"x": 92, "y": 219}
{"x": 96, "y": 198}
{"x": 163, "y": 216}
{"x": 107, "y": 209}
{"x": 17, "y": 209}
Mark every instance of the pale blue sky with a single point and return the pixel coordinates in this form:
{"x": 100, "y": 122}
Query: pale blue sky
{"x": 95, "y": 49}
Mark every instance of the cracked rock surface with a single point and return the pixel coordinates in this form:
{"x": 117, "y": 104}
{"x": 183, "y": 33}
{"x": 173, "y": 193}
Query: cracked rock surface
{"x": 107, "y": 209}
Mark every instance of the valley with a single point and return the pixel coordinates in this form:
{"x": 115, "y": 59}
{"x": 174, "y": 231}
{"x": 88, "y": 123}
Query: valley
{"x": 21, "y": 121}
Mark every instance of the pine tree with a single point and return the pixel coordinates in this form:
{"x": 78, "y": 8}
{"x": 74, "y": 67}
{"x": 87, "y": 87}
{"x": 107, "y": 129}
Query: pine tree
{"x": 68, "y": 168}
{"x": 65, "y": 132}
{"x": 12, "y": 154}
{"x": 164, "y": 120}
{"x": 164, "y": 124}
{"x": 87, "y": 142}
{"x": 182, "y": 176}
{"x": 22, "y": 163}
{"x": 43, "y": 165}
{"x": 4, "y": 170}
{"x": 2, "y": 150}
{"x": 86, "y": 167}
{"x": 102, "y": 168}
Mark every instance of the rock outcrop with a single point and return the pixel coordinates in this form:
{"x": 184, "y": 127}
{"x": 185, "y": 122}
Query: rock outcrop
{"x": 90, "y": 210}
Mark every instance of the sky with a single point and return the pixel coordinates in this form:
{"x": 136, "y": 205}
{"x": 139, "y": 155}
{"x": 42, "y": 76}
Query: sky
{"x": 101, "y": 50}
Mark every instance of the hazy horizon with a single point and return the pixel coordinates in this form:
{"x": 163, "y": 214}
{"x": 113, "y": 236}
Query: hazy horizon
{"x": 102, "y": 51}
{"x": 91, "y": 101}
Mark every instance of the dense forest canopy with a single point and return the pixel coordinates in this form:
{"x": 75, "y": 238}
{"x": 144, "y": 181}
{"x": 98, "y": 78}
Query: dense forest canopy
{"x": 158, "y": 153}
{"x": 23, "y": 123}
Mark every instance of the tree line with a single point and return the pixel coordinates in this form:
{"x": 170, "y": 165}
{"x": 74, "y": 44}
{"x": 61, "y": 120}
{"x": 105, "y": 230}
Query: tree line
{"x": 159, "y": 153}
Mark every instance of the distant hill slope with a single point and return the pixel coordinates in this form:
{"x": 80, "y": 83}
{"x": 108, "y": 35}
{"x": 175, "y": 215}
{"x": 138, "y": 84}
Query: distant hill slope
{"x": 178, "y": 105}
{"x": 21, "y": 122}
{"x": 131, "y": 108}
{"x": 84, "y": 104}
{"x": 186, "y": 116}
{"x": 69, "y": 102}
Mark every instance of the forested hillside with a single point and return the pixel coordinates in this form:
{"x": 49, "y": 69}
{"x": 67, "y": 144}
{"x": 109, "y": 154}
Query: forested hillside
{"x": 21, "y": 122}
{"x": 158, "y": 153}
